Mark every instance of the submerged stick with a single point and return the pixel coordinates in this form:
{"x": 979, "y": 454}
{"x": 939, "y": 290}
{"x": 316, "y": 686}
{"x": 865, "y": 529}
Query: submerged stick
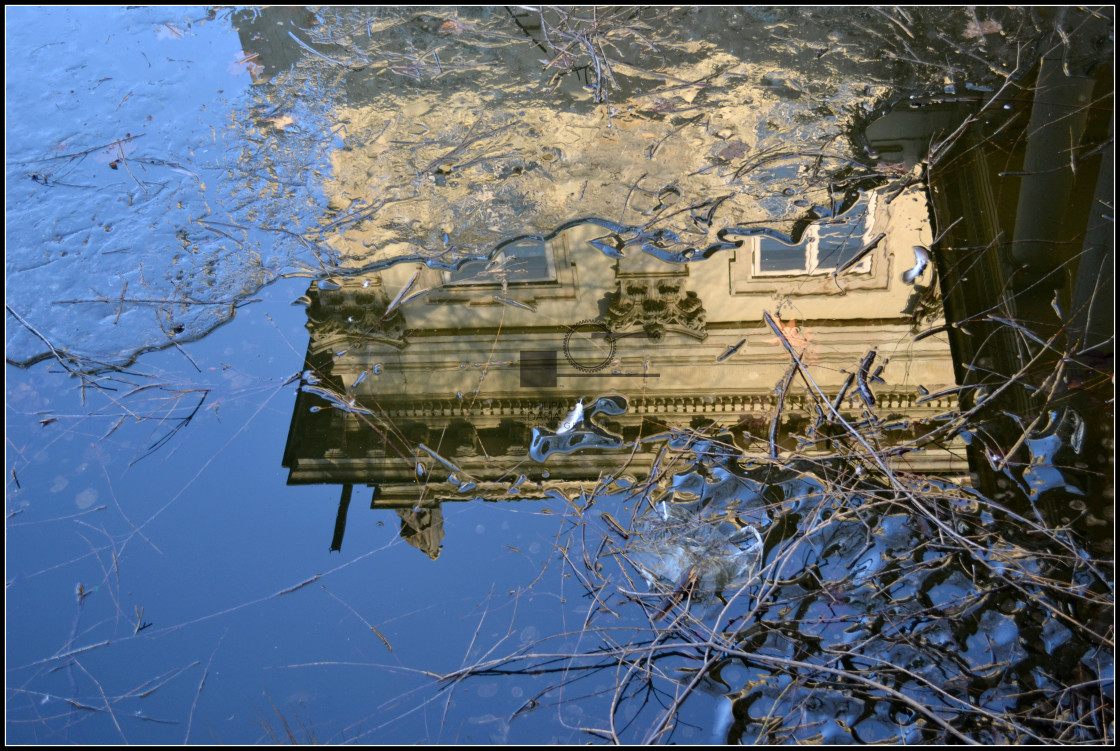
{"x": 400, "y": 295}
{"x": 301, "y": 585}
{"x": 861, "y": 379}
{"x": 843, "y": 392}
{"x": 731, "y": 349}
{"x": 515, "y": 303}
{"x": 440, "y": 459}
{"x": 778, "y": 412}
{"x": 867, "y": 248}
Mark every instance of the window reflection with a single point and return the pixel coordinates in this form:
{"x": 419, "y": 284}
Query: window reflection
{"x": 825, "y": 246}
{"x": 519, "y": 262}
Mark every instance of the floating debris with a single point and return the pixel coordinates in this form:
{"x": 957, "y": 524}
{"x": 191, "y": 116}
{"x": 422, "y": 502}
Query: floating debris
{"x": 544, "y": 442}
{"x": 843, "y": 392}
{"x": 515, "y": 303}
{"x": 337, "y": 401}
{"x": 615, "y": 404}
{"x": 921, "y": 260}
{"x": 862, "y": 376}
{"x": 454, "y": 469}
{"x": 859, "y": 254}
{"x": 329, "y": 286}
{"x": 679, "y": 544}
{"x": 400, "y": 295}
{"x": 574, "y": 418}
{"x": 682, "y": 592}
{"x": 416, "y": 296}
{"x": 732, "y": 349}
{"x": 302, "y": 300}
{"x": 977, "y": 28}
{"x": 614, "y": 525}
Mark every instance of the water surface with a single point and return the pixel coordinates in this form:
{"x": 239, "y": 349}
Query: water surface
{"x": 497, "y": 376}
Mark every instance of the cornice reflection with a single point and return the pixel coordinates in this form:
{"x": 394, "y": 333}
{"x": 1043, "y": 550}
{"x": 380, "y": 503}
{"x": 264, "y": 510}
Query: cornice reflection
{"x": 553, "y": 366}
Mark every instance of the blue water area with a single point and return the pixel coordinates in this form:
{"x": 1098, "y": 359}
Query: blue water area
{"x": 200, "y": 537}
{"x": 127, "y": 226}
{"x": 253, "y": 497}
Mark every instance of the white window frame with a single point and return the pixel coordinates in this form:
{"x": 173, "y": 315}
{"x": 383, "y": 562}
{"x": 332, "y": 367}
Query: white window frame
{"x": 495, "y": 280}
{"x": 810, "y": 243}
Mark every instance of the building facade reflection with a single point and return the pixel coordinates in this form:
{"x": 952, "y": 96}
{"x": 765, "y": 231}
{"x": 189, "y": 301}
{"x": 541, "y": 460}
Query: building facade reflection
{"x": 427, "y": 384}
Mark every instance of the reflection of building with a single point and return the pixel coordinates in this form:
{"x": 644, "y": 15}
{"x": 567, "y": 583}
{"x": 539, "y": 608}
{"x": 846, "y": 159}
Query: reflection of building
{"x": 495, "y": 349}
